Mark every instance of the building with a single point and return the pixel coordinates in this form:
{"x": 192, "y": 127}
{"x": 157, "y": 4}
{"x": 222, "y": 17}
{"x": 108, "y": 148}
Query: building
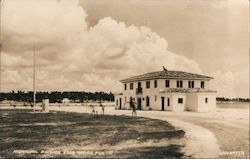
{"x": 65, "y": 100}
{"x": 167, "y": 91}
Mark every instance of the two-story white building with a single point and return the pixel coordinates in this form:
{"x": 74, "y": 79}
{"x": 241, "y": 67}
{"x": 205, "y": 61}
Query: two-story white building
{"x": 167, "y": 90}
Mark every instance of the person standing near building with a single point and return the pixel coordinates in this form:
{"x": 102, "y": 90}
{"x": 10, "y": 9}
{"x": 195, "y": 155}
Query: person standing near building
{"x": 133, "y": 108}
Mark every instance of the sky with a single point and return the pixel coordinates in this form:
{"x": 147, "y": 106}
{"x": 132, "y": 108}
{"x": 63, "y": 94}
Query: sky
{"x": 89, "y": 45}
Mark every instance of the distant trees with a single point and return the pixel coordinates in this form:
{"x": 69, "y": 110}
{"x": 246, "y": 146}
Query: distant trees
{"x": 223, "y": 99}
{"x": 56, "y": 96}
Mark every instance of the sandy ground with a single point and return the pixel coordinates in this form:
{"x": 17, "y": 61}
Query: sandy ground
{"x": 209, "y": 134}
{"x": 224, "y": 133}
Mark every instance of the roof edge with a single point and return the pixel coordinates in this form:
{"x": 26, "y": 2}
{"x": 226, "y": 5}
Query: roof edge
{"x": 158, "y": 75}
{"x": 144, "y": 79}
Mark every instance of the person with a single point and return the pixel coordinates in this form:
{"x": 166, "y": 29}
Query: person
{"x": 133, "y": 109}
{"x": 102, "y": 109}
{"x": 93, "y": 111}
{"x": 96, "y": 113}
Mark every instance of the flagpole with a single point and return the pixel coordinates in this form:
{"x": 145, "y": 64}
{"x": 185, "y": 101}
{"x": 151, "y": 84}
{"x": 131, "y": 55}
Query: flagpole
{"x": 34, "y": 79}
{"x": 0, "y": 46}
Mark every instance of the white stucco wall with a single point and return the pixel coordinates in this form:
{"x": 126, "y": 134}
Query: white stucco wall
{"x": 117, "y": 101}
{"x": 196, "y": 101}
{"x": 192, "y": 102}
{"x": 210, "y": 105}
{"x": 175, "y": 106}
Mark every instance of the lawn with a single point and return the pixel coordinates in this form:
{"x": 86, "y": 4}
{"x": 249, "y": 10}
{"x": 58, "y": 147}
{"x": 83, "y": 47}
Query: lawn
{"x": 63, "y": 134}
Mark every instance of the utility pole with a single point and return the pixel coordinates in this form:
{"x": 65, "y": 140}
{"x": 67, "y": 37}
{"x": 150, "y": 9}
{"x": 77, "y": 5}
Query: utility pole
{"x": 34, "y": 79}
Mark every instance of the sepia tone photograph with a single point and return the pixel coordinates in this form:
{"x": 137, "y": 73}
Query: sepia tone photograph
{"x": 149, "y": 79}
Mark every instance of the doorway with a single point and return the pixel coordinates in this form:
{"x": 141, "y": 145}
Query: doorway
{"x": 120, "y": 103}
{"x": 162, "y": 103}
{"x": 139, "y": 103}
{"x": 168, "y": 102}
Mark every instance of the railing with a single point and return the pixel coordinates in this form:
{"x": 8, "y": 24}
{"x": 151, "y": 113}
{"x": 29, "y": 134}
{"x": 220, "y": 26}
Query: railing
{"x": 138, "y": 90}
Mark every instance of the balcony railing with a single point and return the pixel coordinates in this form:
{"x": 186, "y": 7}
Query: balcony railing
{"x": 138, "y": 90}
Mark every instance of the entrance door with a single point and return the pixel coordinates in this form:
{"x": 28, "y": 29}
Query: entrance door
{"x": 162, "y": 103}
{"x": 120, "y": 103}
{"x": 168, "y": 102}
{"x": 139, "y": 103}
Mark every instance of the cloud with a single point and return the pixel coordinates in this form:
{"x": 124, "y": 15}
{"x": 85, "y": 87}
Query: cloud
{"x": 74, "y": 56}
{"x": 231, "y": 84}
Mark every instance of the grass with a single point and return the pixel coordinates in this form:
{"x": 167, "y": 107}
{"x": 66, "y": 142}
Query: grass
{"x": 127, "y": 137}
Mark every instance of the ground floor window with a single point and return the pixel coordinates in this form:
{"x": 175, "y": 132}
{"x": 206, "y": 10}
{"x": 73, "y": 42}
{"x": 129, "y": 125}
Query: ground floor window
{"x": 117, "y": 102}
{"x": 180, "y": 100}
{"x": 155, "y": 98}
{"x": 206, "y": 100}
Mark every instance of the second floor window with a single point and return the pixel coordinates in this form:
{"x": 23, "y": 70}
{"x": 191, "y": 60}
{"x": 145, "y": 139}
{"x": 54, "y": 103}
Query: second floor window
{"x": 155, "y": 83}
{"x": 190, "y": 84}
{"x": 147, "y": 84}
{"x": 131, "y": 85}
{"x": 139, "y": 84}
{"x": 202, "y": 84}
{"x": 167, "y": 83}
{"x": 125, "y": 86}
{"x": 179, "y": 84}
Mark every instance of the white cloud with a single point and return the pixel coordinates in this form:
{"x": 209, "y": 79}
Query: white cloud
{"x": 231, "y": 84}
{"x": 73, "y": 56}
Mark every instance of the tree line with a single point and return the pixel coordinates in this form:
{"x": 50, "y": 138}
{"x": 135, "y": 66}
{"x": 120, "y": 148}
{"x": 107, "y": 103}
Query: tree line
{"x": 223, "y": 99}
{"x": 57, "y": 97}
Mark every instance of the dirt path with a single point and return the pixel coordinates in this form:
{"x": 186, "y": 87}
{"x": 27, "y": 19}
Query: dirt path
{"x": 201, "y": 142}
{"x": 232, "y": 136}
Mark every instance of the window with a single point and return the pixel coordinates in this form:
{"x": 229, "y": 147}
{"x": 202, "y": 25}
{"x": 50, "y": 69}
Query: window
{"x": 139, "y": 84}
{"x": 147, "y": 101}
{"x": 117, "y": 102}
{"x": 155, "y": 98}
{"x": 125, "y": 99}
{"x": 202, "y": 84}
{"x": 167, "y": 83}
{"x": 206, "y": 100}
{"x": 190, "y": 84}
{"x": 147, "y": 84}
{"x": 179, "y": 84}
{"x": 125, "y": 86}
{"x": 155, "y": 83}
{"x": 180, "y": 100}
{"x": 131, "y": 85}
